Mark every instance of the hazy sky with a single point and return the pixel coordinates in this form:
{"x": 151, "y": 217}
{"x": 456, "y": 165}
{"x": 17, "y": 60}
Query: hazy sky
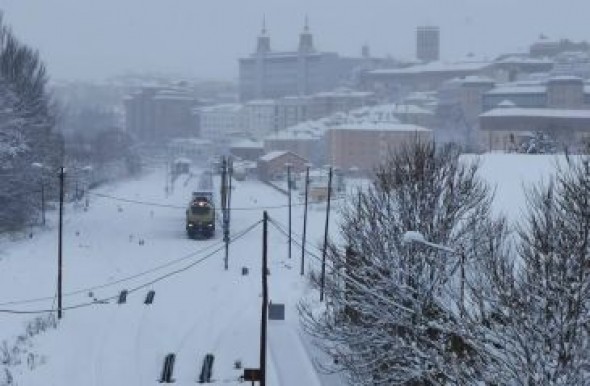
{"x": 94, "y": 39}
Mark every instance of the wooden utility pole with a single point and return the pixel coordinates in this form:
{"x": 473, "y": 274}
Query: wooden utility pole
{"x": 263, "y": 322}
{"x": 59, "y": 244}
{"x": 323, "y": 278}
{"x": 224, "y": 209}
{"x": 302, "y": 271}
{"x": 226, "y": 217}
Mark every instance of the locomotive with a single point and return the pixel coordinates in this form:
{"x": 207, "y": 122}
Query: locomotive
{"x": 200, "y": 214}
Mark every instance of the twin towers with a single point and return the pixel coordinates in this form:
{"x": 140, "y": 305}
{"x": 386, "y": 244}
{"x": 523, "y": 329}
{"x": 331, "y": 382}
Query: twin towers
{"x": 305, "y": 39}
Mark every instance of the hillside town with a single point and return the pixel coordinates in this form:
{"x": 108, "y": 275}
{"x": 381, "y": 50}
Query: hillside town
{"x": 219, "y": 192}
{"x": 350, "y": 112}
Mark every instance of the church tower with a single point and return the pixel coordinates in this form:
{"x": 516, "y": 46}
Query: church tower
{"x": 306, "y": 39}
{"x": 263, "y": 44}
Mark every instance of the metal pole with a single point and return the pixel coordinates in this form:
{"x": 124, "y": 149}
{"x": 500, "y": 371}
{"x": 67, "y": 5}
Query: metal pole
{"x": 289, "y": 194}
{"x": 263, "y": 322}
{"x": 304, "y": 221}
{"x": 59, "y": 245}
{"x": 323, "y": 278}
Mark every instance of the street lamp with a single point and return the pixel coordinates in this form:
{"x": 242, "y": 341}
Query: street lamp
{"x": 416, "y": 237}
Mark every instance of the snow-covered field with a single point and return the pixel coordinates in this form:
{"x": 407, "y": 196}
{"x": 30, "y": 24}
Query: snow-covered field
{"x": 199, "y": 307}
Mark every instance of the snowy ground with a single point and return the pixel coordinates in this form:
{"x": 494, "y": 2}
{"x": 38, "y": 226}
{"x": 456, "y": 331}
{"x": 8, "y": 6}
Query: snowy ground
{"x": 203, "y": 309}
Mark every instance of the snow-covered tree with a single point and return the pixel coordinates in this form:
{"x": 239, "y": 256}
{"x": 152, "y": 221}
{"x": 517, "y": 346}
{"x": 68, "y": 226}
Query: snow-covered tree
{"x": 26, "y": 135}
{"x": 399, "y": 311}
{"x": 539, "y": 329}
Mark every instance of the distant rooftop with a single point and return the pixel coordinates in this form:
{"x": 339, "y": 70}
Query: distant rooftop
{"x": 521, "y": 59}
{"x": 272, "y": 155}
{"x": 247, "y": 144}
{"x": 382, "y": 126}
{"x": 434, "y": 67}
{"x": 538, "y": 112}
{"x": 227, "y": 107}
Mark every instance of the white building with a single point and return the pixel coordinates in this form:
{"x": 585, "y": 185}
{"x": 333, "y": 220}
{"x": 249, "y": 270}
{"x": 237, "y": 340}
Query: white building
{"x": 260, "y": 118}
{"x": 221, "y": 122}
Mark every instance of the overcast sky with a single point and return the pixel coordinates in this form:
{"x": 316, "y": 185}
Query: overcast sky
{"x": 94, "y": 39}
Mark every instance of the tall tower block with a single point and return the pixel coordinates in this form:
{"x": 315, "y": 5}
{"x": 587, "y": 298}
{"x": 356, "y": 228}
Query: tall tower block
{"x": 428, "y": 43}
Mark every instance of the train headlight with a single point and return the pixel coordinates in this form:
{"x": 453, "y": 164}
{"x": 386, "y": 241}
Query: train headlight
{"x": 190, "y": 225}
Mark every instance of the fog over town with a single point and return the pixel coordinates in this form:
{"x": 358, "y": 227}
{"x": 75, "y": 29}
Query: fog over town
{"x": 294, "y": 192}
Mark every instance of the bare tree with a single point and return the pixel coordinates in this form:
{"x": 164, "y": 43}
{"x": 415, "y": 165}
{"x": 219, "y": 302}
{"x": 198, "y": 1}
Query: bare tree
{"x": 26, "y": 124}
{"x": 401, "y": 313}
{"x": 539, "y": 328}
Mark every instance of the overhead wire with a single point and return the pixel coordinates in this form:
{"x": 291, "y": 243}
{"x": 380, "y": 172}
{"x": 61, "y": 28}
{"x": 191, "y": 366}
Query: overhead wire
{"x": 155, "y": 204}
{"x": 220, "y": 247}
{"x": 349, "y": 279}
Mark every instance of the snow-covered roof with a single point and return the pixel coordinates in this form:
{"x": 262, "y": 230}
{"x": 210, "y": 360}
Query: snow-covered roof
{"x": 434, "y": 67}
{"x": 227, "y": 107}
{"x": 515, "y": 59}
{"x": 476, "y": 79}
{"x": 501, "y": 90}
{"x": 538, "y": 112}
{"x": 247, "y": 143}
{"x": 566, "y": 78}
{"x": 382, "y": 126}
{"x": 272, "y": 155}
{"x": 286, "y": 54}
{"x": 189, "y": 141}
{"x": 506, "y": 103}
{"x": 293, "y": 135}
{"x": 343, "y": 93}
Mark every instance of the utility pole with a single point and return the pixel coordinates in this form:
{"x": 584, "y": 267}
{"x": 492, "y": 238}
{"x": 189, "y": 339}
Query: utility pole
{"x": 304, "y": 221}
{"x": 224, "y": 209}
{"x": 289, "y": 195}
{"x": 227, "y": 210}
{"x": 323, "y": 278}
{"x": 264, "y": 320}
{"x": 230, "y": 173}
{"x": 59, "y": 244}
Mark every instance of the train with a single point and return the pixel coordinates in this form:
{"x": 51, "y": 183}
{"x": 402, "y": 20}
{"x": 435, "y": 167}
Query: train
{"x": 200, "y": 214}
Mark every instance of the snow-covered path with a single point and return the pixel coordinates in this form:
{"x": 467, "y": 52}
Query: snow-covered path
{"x": 201, "y": 310}
{"x": 204, "y": 309}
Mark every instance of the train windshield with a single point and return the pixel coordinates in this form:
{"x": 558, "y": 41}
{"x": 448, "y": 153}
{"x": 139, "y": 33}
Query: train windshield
{"x": 200, "y": 208}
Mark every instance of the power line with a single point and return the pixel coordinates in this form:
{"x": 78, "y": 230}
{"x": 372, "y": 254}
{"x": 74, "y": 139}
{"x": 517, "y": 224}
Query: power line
{"x": 134, "y": 289}
{"x": 349, "y": 279}
{"x": 155, "y": 204}
{"x": 131, "y": 277}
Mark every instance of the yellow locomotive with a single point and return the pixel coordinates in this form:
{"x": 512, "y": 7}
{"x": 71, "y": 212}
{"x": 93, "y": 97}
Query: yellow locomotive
{"x": 200, "y": 214}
